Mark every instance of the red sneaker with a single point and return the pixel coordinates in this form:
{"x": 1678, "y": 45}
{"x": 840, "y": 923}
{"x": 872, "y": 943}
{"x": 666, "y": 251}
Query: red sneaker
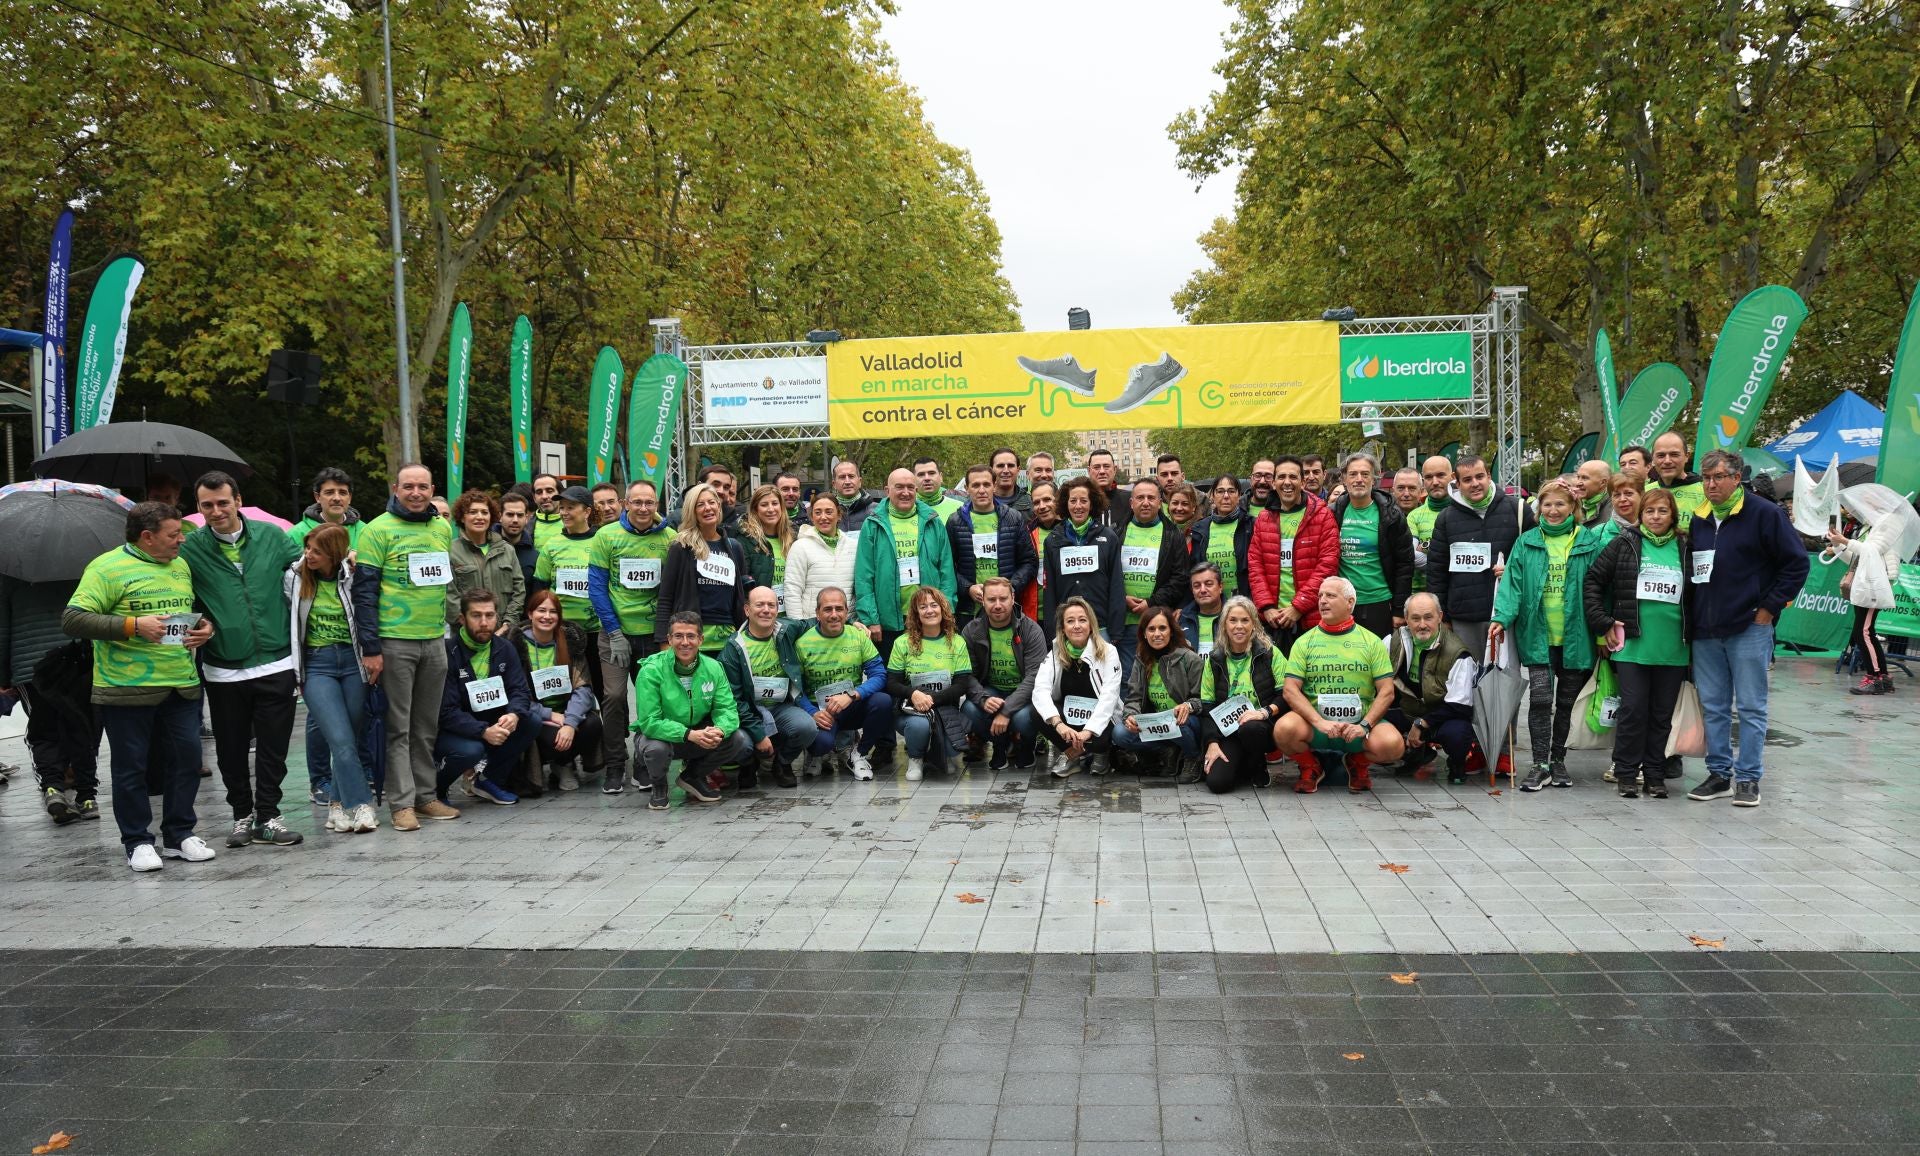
{"x": 1310, "y": 774}
{"x": 1504, "y": 766}
{"x": 1476, "y": 760}
{"x": 1359, "y": 774}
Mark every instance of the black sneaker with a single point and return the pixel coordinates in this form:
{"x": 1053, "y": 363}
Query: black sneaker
{"x": 1656, "y": 787}
{"x": 999, "y": 760}
{"x": 1455, "y": 776}
{"x": 1746, "y": 793}
{"x": 57, "y": 808}
{"x": 1716, "y": 787}
{"x": 1024, "y": 762}
{"x": 87, "y": 808}
{"x": 657, "y": 798}
{"x": 1629, "y": 785}
{"x": 1673, "y": 768}
{"x": 613, "y": 783}
{"x": 697, "y": 791}
{"x": 783, "y": 774}
{"x": 1558, "y": 768}
{"x": 1537, "y": 778}
{"x": 275, "y": 833}
{"x": 241, "y": 833}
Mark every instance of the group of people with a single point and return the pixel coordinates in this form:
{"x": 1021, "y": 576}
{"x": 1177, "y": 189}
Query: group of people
{"x": 505, "y": 643}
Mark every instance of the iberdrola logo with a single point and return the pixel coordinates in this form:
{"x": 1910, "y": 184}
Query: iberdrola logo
{"x": 652, "y": 459}
{"x": 1729, "y": 429}
{"x": 1364, "y": 366}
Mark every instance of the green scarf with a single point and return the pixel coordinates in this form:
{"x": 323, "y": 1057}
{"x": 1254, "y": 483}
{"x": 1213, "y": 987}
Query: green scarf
{"x": 1591, "y": 506}
{"x": 1657, "y": 539}
{"x": 1074, "y": 652}
{"x": 1563, "y": 529}
{"x": 481, "y": 654}
{"x": 1483, "y": 503}
{"x": 1439, "y": 504}
{"x": 467, "y": 641}
{"x": 1081, "y": 528}
{"x": 830, "y": 537}
{"x": 1729, "y": 507}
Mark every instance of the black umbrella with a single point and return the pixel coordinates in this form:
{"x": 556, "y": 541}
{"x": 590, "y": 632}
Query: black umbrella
{"x": 126, "y": 454}
{"x": 50, "y": 530}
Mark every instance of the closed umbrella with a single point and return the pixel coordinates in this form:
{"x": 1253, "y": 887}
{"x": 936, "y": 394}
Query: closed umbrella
{"x": 1498, "y": 691}
{"x": 50, "y": 530}
{"x": 125, "y": 455}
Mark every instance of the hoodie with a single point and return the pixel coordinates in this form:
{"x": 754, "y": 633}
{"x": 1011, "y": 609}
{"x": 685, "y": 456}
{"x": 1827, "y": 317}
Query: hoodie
{"x": 314, "y": 518}
{"x": 1455, "y": 576}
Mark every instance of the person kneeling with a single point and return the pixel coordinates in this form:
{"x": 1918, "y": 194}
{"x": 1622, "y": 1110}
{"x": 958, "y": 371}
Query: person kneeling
{"x": 1339, "y": 686}
{"x": 1241, "y": 696}
{"x": 1162, "y": 711}
{"x": 566, "y": 723}
{"x": 687, "y": 712}
{"x": 1077, "y": 692}
{"x": 1433, "y": 688}
{"x": 763, "y": 664}
{"x": 1007, "y": 650}
{"x": 483, "y": 710}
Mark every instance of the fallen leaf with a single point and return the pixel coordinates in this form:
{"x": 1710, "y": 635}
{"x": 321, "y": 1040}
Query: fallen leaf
{"x": 1015, "y": 879}
{"x": 1403, "y": 976}
{"x": 1396, "y": 868}
{"x": 1102, "y": 902}
{"x": 977, "y": 815}
{"x": 1493, "y": 792}
{"x": 54, "y": 1143}
{"x": 969, "y": 897}
{"x": 953, "y": 862}
{"x": 1702, "y": 941}
{"x": 1353, "y": 1055}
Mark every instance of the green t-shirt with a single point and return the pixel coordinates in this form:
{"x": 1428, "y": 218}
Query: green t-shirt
{"x": 1221, "y": 552}
{"x": 763, "y": 656}
{"x": 1339, "y": 664}
{"x": 413, "y": 604}
{"x": 545, "y": 527}
{"x": 779, "y": 570}
{"x": 1003, "y": 664}
{"x": 129, "y": 584}
{"x": 563, "y": 566}
{"x": 1420, "y": 522}
{"x": 1289, "y": 530}
{"x": 944, "y": 505}
{"x": 327, "y": 619}
{"x": 299, "y": 531}
{"x": 1360, "y": 554}
{"x": 940, "y": 658}
{"x": 1206, "y": 626}
{"x": 1157, "y": 699}
{"x": 1660, "y": 642}
{"x": 833, "y": 662}
{"x": 633, "y": 563}
{"x": 1140, "y": 563}
{"x": 1686, "y": 499}
{"x": 906, "y": 544}
{"x": 985, "y": 526}
{"x": 1240, "y": 677}
{"x": 1553, "y": 599}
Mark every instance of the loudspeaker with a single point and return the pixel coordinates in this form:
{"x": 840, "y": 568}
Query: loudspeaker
{"x": 293, "y": 376}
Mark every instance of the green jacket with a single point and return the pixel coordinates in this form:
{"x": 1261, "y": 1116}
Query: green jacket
{"x": 249, "y": 605}
{"x": 876, "y": 574}
{"x": 733, "y": 659}
{"x": 667, "y": 711}
{"x": 1519, "y": 607}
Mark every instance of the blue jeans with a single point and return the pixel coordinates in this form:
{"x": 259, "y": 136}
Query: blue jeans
{"x": 871, "y": 716}
{"x": 1123, "y": 638}
{"x": 1728, "y": 673}
{"x": 1021, "y": 727}
{"x": 458, "y": 754}
{"x": 168, "y": 734}
{"x": 1188, "y": 740}
{"x": 791, "y": 729}
{"x": 924, "y": 739}
{"x": 337, "y": 713}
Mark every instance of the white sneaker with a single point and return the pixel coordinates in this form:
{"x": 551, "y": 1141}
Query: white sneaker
{"x": 862, "y": 767}
{"x": 364, "y": 819}
{"x": 913, "y": 769}
{"x": 144, "y": 858}
{"x": 1064, "y": 767}
{"x": 337, "y": 819}
{"x": 809, "y": 765}
{"x": 568, "y": 780}
{"x": 193, "y": 849}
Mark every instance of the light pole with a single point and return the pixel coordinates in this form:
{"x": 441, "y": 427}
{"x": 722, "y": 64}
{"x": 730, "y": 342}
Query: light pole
{"x": 399, "y": 255}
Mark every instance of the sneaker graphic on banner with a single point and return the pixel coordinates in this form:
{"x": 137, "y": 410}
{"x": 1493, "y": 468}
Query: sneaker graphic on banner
{"x": 1064, "y": 372}
{"x": 1147, "y": 382}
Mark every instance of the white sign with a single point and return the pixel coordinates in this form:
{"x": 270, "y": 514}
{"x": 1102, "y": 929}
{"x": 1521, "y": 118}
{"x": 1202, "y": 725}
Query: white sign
{"x": 176, "y": 627}
{"x": 716, "y": 569}
{"x": 1079, "y": 559}
{"x": 570, "y": 581}
{"x": 429, "y": 568}
{"x": 764, "y": 391}
{"x": 1471, "y": 558}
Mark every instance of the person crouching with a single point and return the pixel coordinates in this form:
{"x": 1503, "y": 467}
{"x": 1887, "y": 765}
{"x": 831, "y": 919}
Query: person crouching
{"x": 1433, "y": 688}
{"x": 484, "y": 727}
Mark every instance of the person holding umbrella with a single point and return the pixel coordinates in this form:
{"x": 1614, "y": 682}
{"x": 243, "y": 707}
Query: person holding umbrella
{"x": 249, "y": 667}
{"x": 135, "y": 603}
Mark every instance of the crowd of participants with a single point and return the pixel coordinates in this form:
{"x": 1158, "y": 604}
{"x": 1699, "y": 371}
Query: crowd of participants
{"x": 1300, "y": 627}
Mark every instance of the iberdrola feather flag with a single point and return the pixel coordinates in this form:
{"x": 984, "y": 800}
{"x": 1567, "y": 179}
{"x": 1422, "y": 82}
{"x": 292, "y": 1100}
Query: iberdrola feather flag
{"x": 1900, "y": 439}
{"x": 103, "y": 342}
{"x": 459, "y": 363}
{"x": 1609, "y": 397}
{"x": 520, "y": 397}
{"x": 1753, "y": 345}
{"x": 657, "y": 390}
{"x": 603, "y": 406}
{"x": 1660, "y": 393}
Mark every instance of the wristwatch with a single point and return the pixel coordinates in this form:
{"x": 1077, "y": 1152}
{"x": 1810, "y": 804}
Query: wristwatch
{"x": 1366, "y": 726}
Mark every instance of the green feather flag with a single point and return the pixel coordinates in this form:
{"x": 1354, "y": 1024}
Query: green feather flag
{"x": 603, "y": 404}
{"x": 459, "y": 364}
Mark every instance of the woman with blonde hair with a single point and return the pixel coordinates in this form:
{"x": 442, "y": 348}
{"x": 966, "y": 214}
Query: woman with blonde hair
{"x": 929, "y": 675}
{"x": 1245, "y": 665}
{"x": 766, "y": 535}
{"x": 704, "y": 572}
{"x": 1077, "y": 692}
{"x": 326, "y": 667}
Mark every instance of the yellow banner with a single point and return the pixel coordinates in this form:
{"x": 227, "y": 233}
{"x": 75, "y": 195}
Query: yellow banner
{"x": 1180, "y": 377}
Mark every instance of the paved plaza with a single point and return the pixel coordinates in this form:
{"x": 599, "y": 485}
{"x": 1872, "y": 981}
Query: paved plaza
{"x": 1002, "y": 965}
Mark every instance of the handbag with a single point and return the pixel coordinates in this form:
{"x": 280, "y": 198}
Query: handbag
{"x": 1594, "y": 711}
{"x": 1689, "y": 734}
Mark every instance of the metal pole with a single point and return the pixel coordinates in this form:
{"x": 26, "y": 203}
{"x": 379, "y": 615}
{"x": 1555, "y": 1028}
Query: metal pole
{"x": 399, "y": 254}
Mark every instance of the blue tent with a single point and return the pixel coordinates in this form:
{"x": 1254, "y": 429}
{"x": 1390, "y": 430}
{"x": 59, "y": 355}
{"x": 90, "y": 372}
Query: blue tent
{"x": 1849, "y": 426}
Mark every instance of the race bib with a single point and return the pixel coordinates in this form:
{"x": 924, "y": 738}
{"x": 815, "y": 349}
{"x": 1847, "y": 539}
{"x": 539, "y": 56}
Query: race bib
{"x": 1138, "y": 559}
{"x": 552, "y": 681}
{"x": 429, "y": 569}
{"x": 909, "y": 569}
{"x": 1160, "y": 725}
{"x": 1206, "y": 647}
{"x": 1079, "y": 559}
{"x": 1078, "y": 710}
{"x": 986, "y": 546}
{"x": 932, "y": 681}
{"x": 1609, "y": 710}
{"x": 570, "y": 581}
{"x": 1286, "y": 553}
{"x": 1470, "y": 558}
{"x": 1340, "y": 708}
{"x": 780, "y": 600}
{"x": 1702, "y": 567}
{"x": 769, "y": 691}
{"x": 1226, "y": 715}
{"x": 639, "y": 573}
{"x": 715, "y": 568}
{"x": 176, "y": 627}
{"x": 1660, "y": 584}
{"x": 485, "y": 694}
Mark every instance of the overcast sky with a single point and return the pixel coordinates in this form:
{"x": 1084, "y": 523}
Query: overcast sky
{"x": 1064, "y": 105}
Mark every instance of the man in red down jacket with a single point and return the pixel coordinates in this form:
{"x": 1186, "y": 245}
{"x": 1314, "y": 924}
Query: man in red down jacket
{"x": 1296, "y": 544}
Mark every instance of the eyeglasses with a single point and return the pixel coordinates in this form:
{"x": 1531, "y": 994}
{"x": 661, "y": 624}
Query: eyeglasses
{"x": 1720, "y": 477}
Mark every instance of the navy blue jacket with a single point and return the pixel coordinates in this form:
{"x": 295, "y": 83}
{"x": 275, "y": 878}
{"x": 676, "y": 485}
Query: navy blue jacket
{"x": 456, "y": 717}
{"x": 1018, "y": 562}
{"x": 1759, "y": 563}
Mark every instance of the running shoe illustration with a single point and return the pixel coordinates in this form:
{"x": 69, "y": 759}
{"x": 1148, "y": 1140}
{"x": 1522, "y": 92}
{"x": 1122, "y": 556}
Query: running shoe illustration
{"x": 1064, "y": 372}
{"x": 1147, "y": 382}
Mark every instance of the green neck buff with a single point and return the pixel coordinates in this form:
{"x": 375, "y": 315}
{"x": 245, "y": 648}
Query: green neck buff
{"x": 1081, "y": 528}
{"x": 1729, "y": 507}
{"x": 473, "y": 647}
{"x": 1591, "y": 506}
{"x": 1436, "y": 504}
{"x": 830, "y": 537}
{"x": 1566, "y": 526}
{"x": 1075, "y": 652}
{"x": 1657, "y": 539}
{"x": 1486, "y": 500}
{"x": 686, "y": 667}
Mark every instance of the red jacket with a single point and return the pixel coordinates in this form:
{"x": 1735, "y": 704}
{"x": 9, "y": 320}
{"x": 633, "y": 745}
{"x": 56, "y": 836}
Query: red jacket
{"x": 1316, "y": 556}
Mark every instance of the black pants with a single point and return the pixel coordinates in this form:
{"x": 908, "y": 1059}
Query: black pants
{"x": 1645, "y": 718}
{"x": 1553, "y": 687}
{"x": 1375, "y": 616}
{"x": 1246, "y": 750}
{"x": 65, "y": 749}
{"x": 586, "y": 740}
{"x": 1099, "y": 744}
{"x": 257, "y": 713}
{"x": 1865, "y": 646}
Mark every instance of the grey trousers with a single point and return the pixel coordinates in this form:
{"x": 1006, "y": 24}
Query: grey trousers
{"x": 654, "y": 755}
{"x": 1474, "y": 634}
{"x": 414, "y": 675}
